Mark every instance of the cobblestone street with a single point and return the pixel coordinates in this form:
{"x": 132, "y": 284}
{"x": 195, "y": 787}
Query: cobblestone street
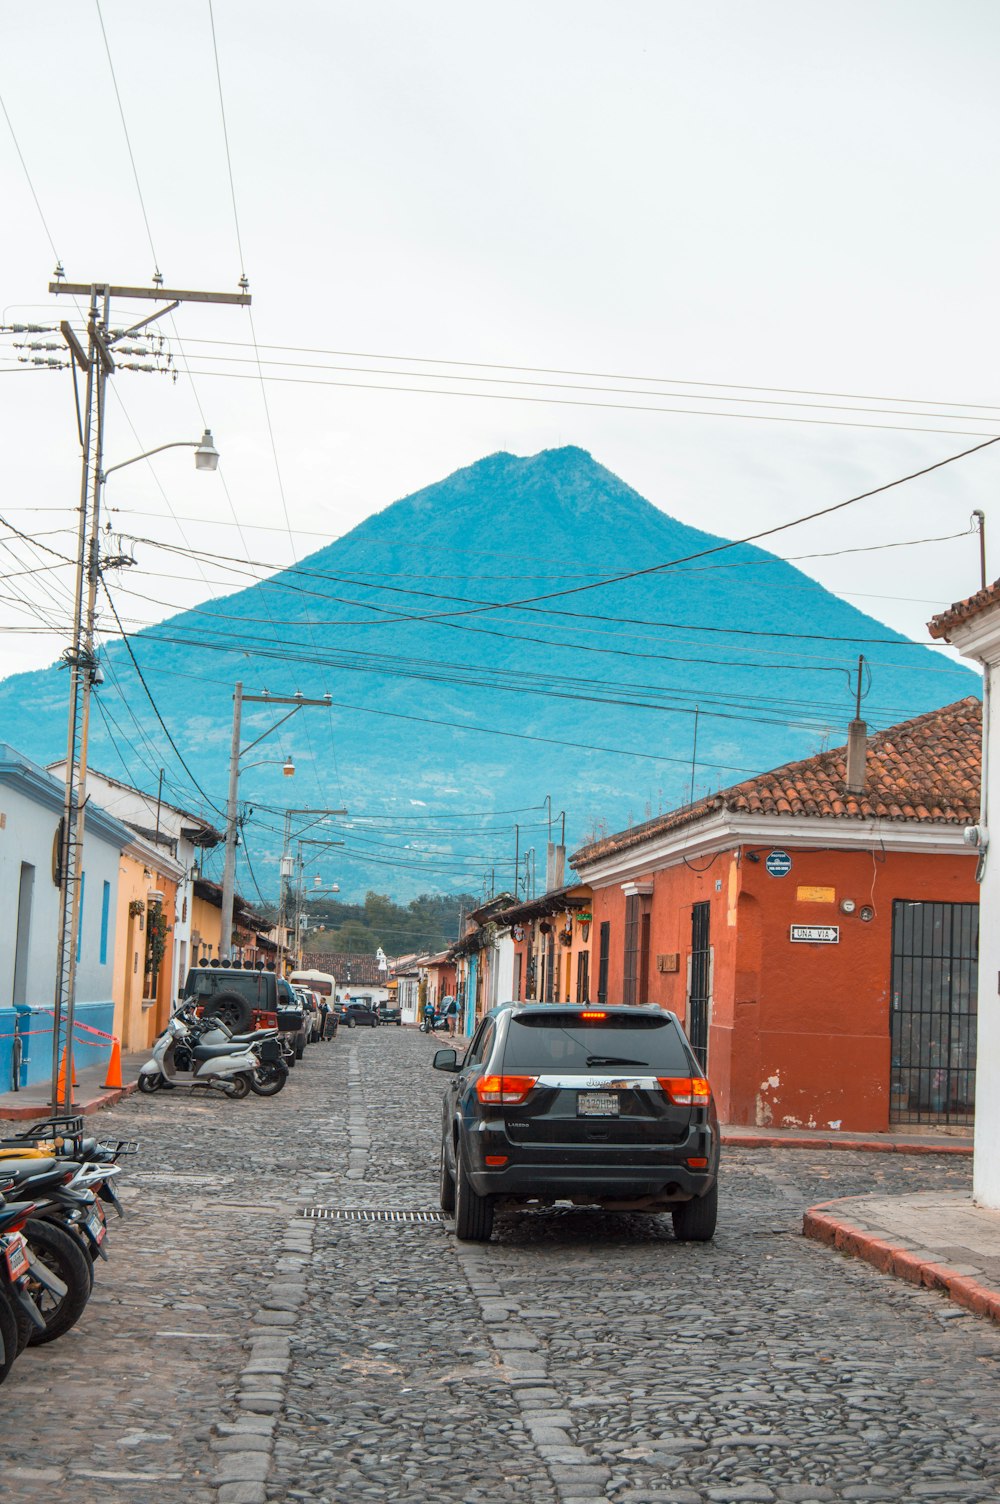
{"x": 579, "y": 1357}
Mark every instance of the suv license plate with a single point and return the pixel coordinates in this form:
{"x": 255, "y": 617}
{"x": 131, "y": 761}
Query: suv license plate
{"x": 598, "y": 1104}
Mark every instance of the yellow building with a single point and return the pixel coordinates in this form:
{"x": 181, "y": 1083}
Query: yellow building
{"x": 146, "y": 915}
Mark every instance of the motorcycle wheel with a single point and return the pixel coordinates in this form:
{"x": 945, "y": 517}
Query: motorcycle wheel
{"x": 269, "y": 1079}
{"x": 9, "y": 1334}
{"x": 239, "y": 1085}
{"x": 149, "y": 1084}
{"x": 61, "y": 1253}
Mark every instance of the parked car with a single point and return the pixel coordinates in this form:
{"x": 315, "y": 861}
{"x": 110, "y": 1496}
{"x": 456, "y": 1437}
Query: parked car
{"x": 599, "y": 1106}
{"x": 244, "y": 997}
{"x": 310, "y": 1003}
{"x": 358, "y": 1015}
{"x": 391, "y": 1015}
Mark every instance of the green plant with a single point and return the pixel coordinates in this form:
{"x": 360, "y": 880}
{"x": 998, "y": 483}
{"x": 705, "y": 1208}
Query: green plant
{"x": 157, "y": 931}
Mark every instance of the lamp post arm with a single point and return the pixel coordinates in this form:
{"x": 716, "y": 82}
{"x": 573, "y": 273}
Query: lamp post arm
{"x": 177, "y": 444}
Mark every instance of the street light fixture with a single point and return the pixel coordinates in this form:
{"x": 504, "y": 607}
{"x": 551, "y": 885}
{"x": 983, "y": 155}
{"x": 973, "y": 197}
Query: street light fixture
{"x": 206, "y": 456}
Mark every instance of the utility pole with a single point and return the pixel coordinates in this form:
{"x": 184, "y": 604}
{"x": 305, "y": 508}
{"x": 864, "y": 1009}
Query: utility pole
{"x": 232, "y": 806}
{"x": 300, "y": 883}
{"x": 979, "y": 518}
{"x": 287, "y": 866}
{"x": 97, "y": 362}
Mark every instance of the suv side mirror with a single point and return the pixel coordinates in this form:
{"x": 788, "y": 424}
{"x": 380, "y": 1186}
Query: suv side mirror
{"x": 445, "y": 1060}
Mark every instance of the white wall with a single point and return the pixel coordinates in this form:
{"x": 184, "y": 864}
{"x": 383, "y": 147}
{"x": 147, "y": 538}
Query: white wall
{"x": 28, "y": 833}
{"x": 986, "y": 1164}
{"x": 980, "y": 639}
{"x": 503, "y": 969}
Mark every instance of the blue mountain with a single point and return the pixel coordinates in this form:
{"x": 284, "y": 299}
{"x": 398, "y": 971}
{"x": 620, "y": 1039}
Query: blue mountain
{"x": 455, "y": 712}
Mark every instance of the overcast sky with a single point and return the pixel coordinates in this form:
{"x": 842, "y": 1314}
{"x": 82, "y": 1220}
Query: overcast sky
{"x": 783, "y": 195}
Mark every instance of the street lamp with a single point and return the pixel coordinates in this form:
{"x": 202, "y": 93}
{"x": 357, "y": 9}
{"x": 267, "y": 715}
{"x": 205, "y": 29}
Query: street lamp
{"x": 206, "y": 456}
{"x": 85, "y": 672}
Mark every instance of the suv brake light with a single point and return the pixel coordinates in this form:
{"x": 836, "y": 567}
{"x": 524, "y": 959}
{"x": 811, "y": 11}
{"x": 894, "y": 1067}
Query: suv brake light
{"x": 509, "y": 1089}
{"x": 686, "y": 1091}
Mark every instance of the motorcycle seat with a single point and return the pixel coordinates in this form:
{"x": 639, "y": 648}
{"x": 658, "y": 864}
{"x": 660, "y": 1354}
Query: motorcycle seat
{"x": 28, "y": 1169}
{"x": 215, "y": 1051}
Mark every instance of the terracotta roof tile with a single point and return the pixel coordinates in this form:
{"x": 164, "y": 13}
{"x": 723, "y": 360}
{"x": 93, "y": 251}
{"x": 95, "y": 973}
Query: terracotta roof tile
{"x": 927, "y": 769}
{"x": 940, "y": 625}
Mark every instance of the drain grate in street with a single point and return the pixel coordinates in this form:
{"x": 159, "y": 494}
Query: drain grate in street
{"x": 367, "y": 1214}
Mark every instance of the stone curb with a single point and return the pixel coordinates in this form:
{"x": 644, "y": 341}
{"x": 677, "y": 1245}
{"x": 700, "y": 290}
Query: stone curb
{"x": 863, "y": 1146}
{"x": 917, "y": 1269}
{"x": 41, "y": 1110}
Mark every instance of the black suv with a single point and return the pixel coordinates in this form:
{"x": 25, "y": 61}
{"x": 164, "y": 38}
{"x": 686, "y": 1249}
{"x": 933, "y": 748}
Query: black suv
{"x": 604, "y": 1106}
{"x": 234, "y": 993}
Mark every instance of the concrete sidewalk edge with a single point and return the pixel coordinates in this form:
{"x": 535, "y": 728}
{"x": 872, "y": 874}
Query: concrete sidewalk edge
{"x": 822, "y": 1227}
{"x": 38, "y": 1111}
{"x": 864, "y": 1146}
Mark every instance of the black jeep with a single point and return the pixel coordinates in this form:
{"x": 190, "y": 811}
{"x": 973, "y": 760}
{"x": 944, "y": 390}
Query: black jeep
{"x": 235, "y": 994}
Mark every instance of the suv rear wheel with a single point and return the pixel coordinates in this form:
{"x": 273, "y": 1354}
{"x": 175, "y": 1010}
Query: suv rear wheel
{"x": 473, "y": 1214}
{"x": 694, "y": 1221}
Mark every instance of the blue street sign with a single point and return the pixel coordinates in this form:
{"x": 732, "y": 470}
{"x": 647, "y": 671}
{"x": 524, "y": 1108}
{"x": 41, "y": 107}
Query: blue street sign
{"x": 778, "y": 863}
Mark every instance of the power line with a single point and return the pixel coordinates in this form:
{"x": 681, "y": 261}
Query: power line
{"x": 635, "y": 407}
{"x": 481, "y": 365}
{"x": 128, "y": 142}
{"x": 31, "y": 186}
{"x": 180, "y": 756}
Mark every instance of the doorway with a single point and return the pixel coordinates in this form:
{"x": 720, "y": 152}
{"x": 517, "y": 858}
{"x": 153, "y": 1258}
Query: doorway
{"x": 935, "y": 959}
{"x": 700, "y": 987}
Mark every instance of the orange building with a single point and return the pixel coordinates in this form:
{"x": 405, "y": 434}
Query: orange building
{"x": 815, "y": 928}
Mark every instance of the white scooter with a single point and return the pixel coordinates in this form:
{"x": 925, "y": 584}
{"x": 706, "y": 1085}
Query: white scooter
{"x": 229, "y": 1071}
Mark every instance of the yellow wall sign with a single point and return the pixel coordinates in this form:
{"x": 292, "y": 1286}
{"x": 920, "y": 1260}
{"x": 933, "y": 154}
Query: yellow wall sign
{"x": 816, "y": 895}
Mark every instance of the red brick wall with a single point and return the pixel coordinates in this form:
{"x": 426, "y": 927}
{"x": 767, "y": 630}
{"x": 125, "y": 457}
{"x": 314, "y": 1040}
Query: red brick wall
{"x": 799, "y": 1033}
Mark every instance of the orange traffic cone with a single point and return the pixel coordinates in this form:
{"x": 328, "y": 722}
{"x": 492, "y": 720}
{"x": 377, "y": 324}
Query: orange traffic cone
{"x": 114, "y": 1081}
{"x": 61, "y": 1091}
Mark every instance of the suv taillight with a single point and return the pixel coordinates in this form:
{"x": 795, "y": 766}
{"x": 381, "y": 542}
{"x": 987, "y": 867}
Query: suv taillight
{"x": 686, "y": 1091}
{"x": 508, "y": 1089}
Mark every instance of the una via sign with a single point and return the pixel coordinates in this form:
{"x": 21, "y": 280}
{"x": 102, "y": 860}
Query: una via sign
{"x": 816, "y": 934}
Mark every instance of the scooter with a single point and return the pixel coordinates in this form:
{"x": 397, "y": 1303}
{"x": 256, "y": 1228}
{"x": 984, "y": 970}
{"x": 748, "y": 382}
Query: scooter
{"x": 211, "y": 1037}
{"x": 230, "y": 1071}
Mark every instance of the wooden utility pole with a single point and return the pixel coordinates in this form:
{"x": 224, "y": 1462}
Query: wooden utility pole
{"x": 97, "y": 362}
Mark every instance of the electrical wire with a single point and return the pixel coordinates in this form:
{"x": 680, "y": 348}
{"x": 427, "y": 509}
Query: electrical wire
{"x": 634, "y": 407}
{"x": 180, "y": 756}
{"x": 480, "y": 365}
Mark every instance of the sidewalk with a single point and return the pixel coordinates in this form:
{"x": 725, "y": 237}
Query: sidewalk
{"x": 938, "y": 1239}
{"x": 32, "y": 1103}
{"x": 908, "y": 1141}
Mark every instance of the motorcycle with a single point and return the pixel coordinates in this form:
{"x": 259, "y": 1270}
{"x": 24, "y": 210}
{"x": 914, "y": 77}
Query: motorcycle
{"x": 64, "y": 1231}
{"x": 228, "y": 1068}
{"x": 433, "y": 1021}
{"x": 212, "y": 1035}
{"x": 21, "y": 1274}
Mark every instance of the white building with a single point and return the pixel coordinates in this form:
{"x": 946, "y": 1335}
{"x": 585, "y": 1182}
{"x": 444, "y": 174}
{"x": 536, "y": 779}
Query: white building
{"x": 181, "y": 834}
{"x": 973, "y": 626}
{"x": 31, "y": 806}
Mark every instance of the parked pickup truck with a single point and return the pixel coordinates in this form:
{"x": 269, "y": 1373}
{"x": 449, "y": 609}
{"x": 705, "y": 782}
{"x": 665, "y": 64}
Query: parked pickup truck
{"x": 246, "y": 999}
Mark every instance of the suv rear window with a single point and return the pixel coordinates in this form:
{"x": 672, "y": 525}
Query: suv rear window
{"x": 207, "y": 984}
{"x": 566, "y": 1040}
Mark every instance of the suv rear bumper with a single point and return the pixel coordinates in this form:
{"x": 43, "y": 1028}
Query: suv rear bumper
{"x": 601, "y": 1183}
{"x": 560, "y": 1172}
